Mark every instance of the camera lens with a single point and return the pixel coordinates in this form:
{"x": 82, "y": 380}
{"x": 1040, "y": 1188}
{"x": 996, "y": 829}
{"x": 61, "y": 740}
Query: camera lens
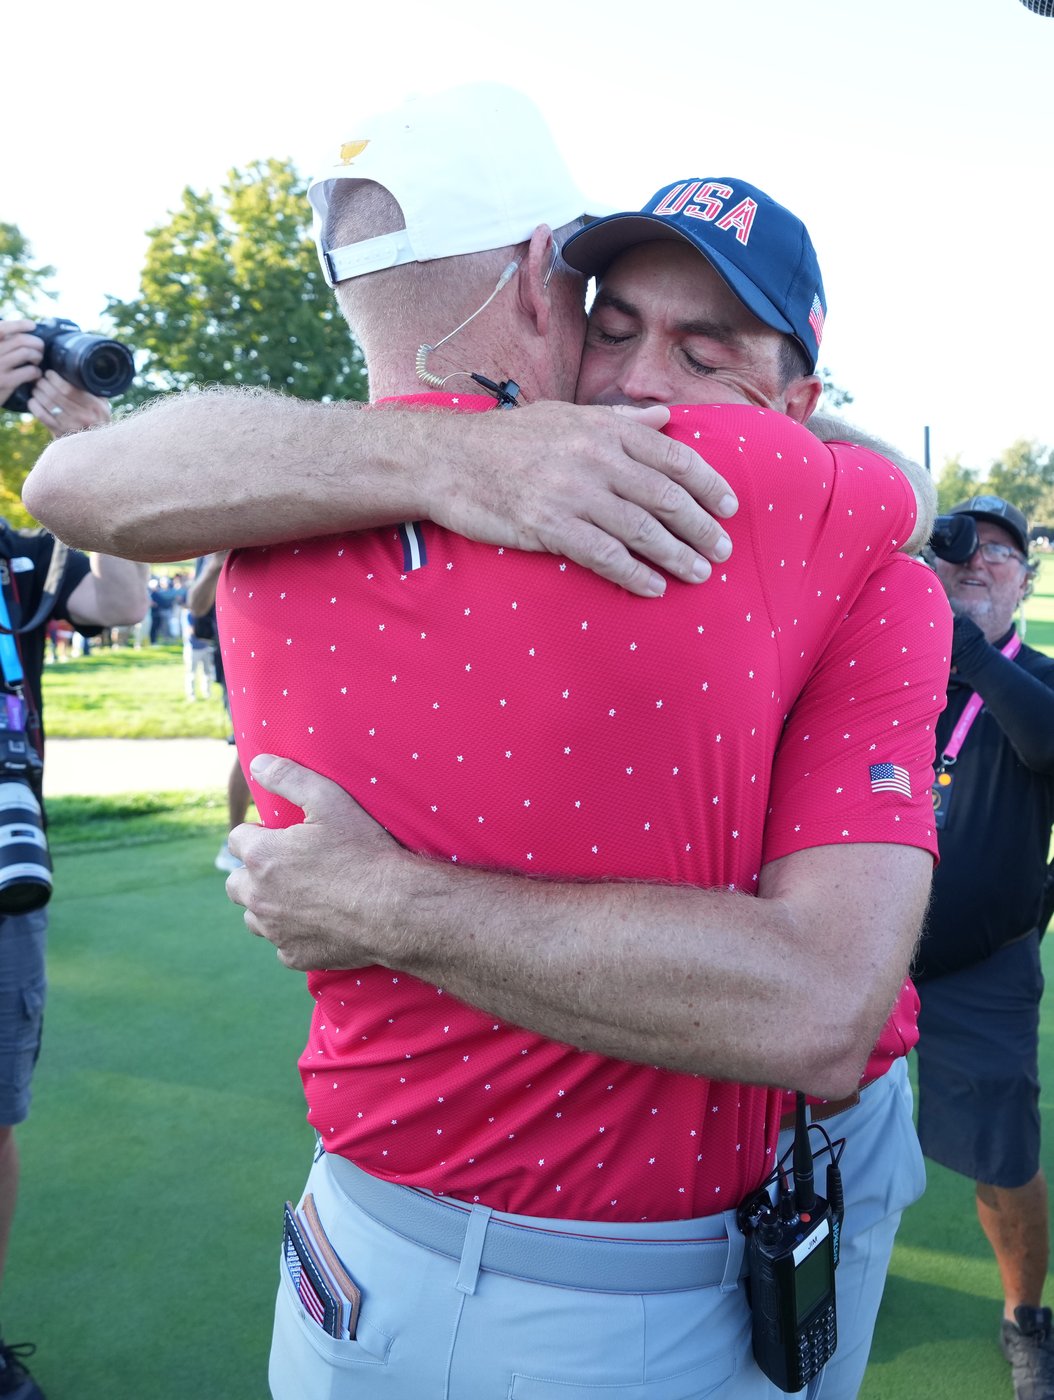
{"x": 25, "y": 864}
{"x": 105, "y": 367}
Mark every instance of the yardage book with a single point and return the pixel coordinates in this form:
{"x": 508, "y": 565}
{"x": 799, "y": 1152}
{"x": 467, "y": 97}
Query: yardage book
{"x": 326, "y": 1290}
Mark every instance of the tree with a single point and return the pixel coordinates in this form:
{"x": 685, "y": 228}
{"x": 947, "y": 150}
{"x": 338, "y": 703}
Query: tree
{"x": 232, "y": 293}
{"x": 21, "y": 284}
{"x": 22, "y": 439}
{"x": 956, "y": 483}
{"x": 834, "y": 396}
{"x": 1024, "y": 474}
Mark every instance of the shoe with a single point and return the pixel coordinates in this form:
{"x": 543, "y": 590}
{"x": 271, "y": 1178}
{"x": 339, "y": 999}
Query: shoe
{"x": 1029, "y": 1347}
{"x": 224, "y": 861}
{"x": 15, "y": 1381}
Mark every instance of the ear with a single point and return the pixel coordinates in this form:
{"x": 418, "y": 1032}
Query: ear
{"x": 801, "y": 396}
{"x": 535, "y": 300}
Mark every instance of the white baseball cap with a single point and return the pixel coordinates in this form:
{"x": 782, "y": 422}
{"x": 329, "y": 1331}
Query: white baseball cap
{"x": 473, "y": 168}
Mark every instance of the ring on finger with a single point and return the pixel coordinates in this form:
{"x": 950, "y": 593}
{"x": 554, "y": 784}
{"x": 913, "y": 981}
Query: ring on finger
{"x": 55, "y": 409}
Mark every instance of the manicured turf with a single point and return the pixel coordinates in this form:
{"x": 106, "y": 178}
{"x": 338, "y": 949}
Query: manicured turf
{"x": 167, "y": 1129}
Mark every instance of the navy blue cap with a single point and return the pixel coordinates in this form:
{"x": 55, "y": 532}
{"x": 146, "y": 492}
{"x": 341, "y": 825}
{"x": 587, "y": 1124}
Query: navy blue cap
{"x": 999, "y": 512}
{"x": 761, "y": 250}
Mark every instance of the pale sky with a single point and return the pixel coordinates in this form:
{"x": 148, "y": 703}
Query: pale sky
{"x": 912, "y": 136}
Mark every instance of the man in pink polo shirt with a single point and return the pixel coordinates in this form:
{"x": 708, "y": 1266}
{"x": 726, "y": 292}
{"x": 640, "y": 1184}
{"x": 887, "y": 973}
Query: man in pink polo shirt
{"x": 507, "y": 712}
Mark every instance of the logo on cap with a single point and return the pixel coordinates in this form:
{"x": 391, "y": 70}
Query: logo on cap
{"x": 704, "y": 199}
{"x": 350, "y": 150}
{"x": 816, "y": 319}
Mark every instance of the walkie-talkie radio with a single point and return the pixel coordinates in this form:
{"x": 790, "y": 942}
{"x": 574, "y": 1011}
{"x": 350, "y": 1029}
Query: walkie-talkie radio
{"x": 792, "y": 1250}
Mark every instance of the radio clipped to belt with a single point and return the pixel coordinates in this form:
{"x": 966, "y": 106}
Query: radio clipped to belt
{"x": 792, "y": 1247}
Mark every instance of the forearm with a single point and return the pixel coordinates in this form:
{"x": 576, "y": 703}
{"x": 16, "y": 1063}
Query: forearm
{"x": 705, "y": 982}
{"x": 197, "y": 473}
{"x": 119, "y": 597}
{"x": 202, "y": 592}
{"x": 200, "y": 472}
{"x": 1020, "y": 703}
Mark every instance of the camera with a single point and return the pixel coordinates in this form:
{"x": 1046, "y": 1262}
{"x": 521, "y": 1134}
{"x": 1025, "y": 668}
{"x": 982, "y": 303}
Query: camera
{"x": 25, "y": 863}
{"x": 954, "y": 538}
{"x": 91, "y": 362}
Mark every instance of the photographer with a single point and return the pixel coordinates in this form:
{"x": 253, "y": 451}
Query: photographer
{"x": 978, "y": 969}
{"x": 93, "y": 591}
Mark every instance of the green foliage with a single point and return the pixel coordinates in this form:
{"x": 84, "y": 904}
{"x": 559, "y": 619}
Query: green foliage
{"x": 21, "y": 284}
{"x": 1024, "y": 474}
{"x": 232, "y": 293}
{"x": 22, "y": 439}
{"x": 834, "y": 396}
{"x": 956, "y": 483}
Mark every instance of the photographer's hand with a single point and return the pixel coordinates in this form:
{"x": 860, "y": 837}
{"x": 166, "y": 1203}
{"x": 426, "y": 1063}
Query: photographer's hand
{"x": 62, "y": 408}
{"x": 20, "y": 356}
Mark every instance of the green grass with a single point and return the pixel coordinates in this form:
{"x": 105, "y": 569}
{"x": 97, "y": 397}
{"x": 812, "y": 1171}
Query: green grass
{"x": 130, "y": 819}
{"x": 167, "y": 1129}
{"x": 125, "y": 694}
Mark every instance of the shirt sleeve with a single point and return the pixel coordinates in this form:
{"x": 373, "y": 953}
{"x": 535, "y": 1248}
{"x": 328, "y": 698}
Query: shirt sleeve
{"x": 855, "y": 762}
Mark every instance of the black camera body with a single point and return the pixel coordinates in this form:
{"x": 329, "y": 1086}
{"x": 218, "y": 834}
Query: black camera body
{"x": 791, "y": 1283}
{"x": 91, "y": 362}
{"x": 25, "y": 862}
{"x": 954, "y": 538}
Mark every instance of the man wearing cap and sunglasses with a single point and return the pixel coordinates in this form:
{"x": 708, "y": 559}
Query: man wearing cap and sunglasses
{"x": 520, "y": 1130}
{"x": 978, "y": 967}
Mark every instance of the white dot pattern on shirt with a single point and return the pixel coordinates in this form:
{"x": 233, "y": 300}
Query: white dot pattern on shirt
{"x": 603, "y": 827}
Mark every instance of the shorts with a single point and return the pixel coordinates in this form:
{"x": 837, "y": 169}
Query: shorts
{"x": 23, "y": 942}
{"x": 978, "y": 1059}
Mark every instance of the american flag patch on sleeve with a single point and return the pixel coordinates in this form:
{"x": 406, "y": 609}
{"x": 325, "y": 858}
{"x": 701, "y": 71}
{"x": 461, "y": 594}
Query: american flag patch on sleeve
{"x": 890, "y": 777}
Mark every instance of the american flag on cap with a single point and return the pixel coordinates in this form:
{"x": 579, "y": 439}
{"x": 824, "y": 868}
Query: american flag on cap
{"x": 816, "y": 318}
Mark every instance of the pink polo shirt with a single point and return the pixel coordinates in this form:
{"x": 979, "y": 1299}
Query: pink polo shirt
{"x": 512, "y": 711}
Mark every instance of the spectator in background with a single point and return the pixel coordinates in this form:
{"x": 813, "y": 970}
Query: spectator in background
{"x": 197, "y": 659}
{"x": 978, "y": 969}
{"x": 91, "y": 591}
{"x": 165, "y": 599}
{"x": 201, "y": 603}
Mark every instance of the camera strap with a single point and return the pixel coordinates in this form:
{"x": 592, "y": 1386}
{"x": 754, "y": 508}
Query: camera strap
{"x": 11, "y": 621}
{"x": 973, "y": 708}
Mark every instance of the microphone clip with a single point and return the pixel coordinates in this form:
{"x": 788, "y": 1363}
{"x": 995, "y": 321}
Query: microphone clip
{"x": 507, "y": 392}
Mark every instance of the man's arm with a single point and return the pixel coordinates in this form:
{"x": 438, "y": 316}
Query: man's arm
{"x": 788, "y": 988}
{"x": 200, "y": 472}
{"x": 201, "y": 593}
{"x": 113, "y": 594}
{"x": 1021, "y": 704}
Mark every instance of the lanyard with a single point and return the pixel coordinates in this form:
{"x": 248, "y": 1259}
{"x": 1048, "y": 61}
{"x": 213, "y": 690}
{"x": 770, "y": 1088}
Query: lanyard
{"x": 10, "y": 661}
{"x": 972, "y": 710}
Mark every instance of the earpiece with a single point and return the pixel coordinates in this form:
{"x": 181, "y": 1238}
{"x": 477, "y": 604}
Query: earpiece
{"x": 421, "y": 361}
